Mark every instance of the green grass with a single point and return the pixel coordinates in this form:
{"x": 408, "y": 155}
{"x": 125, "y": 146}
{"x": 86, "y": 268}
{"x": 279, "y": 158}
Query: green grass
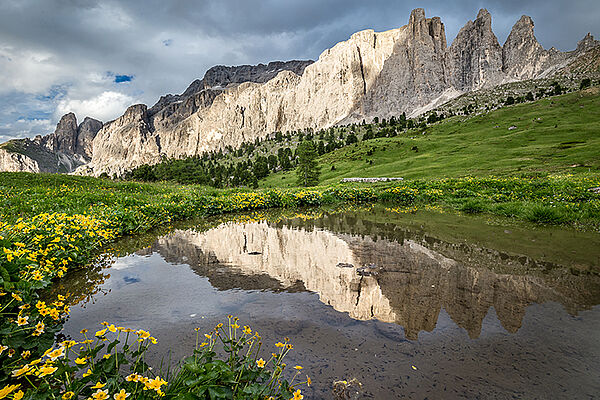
{"x": 565, "y": 139}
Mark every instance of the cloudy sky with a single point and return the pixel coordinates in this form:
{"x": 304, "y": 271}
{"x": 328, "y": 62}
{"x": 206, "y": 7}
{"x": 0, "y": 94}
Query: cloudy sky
{"x": 96, "y": 57}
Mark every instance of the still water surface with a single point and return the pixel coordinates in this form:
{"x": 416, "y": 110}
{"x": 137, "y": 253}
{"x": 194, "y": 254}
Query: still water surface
{"x": 481, "y": 309}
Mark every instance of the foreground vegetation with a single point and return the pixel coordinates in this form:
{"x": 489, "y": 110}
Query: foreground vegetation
{"x": 52, "y": 223}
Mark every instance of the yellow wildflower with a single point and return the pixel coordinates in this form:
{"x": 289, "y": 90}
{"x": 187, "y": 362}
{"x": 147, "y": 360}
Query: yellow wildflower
{"x": 67, "y": 395}
{"x": 54, "y": 354}
{"x": 100, "y": 333}
{"x": 98, "y": 385}
{"x": 122, "y": 395}
{"x": 279, "y": 344}
{"x": 143, "y": 334}
{"x": 308, "y": 380}
{"x": 81, "y": 360}
{"x": 260, "y": 362}
{"x": 21, "y": 371}
{"x": 247, "y": 330}
{"x": 298, "y": 367}
{"x": 39, "y": 329}
{"x": 22, "y": 320}
{"x": 2, "y": 348}
{"x": 18, "y": 395}
{"x": 87, "y": 373}
{"x": 47, "y": 370}
{"x": 100, "y": 394}
{"x": 7, "y": 390}
{"x": 297, "y": 395}
{"x": 154, "y": 384}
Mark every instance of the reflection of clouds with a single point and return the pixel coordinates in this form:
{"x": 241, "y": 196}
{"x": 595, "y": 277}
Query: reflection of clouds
{"x": 130, "y": 279}
{"x": 126, "y": 262}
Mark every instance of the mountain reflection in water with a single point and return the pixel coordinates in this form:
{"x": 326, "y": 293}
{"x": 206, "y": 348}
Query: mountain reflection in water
{"x": 410, "y": 277}
{"x": 482, "y": 309}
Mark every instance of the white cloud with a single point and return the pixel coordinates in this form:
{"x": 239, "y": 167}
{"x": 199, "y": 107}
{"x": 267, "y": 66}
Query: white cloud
{"x": 28, "y": 71}
{"x": 25, "y": 128}
{"x": 105, "y": 107}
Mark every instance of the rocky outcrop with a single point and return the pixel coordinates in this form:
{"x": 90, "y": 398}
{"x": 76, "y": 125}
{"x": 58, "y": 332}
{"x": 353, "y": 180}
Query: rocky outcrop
{"x": 71, "y": 139}
{"x": 127, "y": 140}
{"x": 68, "y": 147}
{"x": 17, "y": 162}
{"x": 409, "y": 69}
{"x": 475, "y": 56}
{"x": 523, "y": 57}
{"x": 220, "y": 77}
{"x": 86, "y": 132}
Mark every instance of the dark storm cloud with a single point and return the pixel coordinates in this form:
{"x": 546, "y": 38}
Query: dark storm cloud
{"x": 70, "y": 44}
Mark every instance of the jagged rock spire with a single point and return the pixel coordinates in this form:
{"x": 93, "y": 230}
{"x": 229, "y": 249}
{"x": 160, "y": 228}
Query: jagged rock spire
{"x": 475, "y": 56}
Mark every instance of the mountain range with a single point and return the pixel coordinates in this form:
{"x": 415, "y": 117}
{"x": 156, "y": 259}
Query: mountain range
{"x": 409, "y": 70}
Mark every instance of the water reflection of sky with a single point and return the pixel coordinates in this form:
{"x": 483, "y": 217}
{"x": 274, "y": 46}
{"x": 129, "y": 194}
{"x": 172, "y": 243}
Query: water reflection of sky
{"x": 471, "y": 331}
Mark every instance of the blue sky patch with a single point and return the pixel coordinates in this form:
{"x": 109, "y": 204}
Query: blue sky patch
{"x": 123, "y": 78}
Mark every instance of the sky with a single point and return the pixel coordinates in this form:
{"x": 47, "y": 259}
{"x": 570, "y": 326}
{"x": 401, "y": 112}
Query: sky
{"x": 95, "y": 58}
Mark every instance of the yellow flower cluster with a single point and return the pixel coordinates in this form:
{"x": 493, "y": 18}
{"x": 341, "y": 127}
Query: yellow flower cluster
{"x": 149, "y": 383}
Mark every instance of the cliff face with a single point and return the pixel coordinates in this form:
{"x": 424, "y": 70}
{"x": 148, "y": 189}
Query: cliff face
{"x": 410, "y": 69}
{"x": 523, "y": 57}
{"x": 475, "y": 56}
{"x": 67, "y": 148}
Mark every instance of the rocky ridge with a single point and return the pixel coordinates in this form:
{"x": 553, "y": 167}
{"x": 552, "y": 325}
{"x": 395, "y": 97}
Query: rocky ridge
{"x": 409, "y": 69}
{"x": 67, "y": 148}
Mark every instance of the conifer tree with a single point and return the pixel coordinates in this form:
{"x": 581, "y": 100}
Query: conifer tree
{"x": 308, "y": 169}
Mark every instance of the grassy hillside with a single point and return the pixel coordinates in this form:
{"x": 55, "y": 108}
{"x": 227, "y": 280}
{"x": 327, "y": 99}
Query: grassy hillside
{"x": 553, "y": 135}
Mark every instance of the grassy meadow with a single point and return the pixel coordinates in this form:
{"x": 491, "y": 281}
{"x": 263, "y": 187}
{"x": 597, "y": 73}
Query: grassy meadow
{"x": 556, "y": 135}
{"x": 544, "y": 171}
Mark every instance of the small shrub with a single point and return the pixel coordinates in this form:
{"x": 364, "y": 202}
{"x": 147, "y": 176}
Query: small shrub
{"x": 542, "y": 214}
{"x": 473, "y": 206}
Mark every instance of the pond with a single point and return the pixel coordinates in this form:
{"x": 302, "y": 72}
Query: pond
{"x": 423, "y": 305}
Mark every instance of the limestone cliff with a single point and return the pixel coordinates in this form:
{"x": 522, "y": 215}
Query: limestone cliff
{"x": 523, "y": 57}
{"x": 475, "y": 56}
{"x": 67, "y": 148}
{"x": 409, "y": 69}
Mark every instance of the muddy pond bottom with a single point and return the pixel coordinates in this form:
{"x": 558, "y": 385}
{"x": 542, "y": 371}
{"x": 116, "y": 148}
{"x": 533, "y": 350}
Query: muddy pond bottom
{"x": 413, "y": 306}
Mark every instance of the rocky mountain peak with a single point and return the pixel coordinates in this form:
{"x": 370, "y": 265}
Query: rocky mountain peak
{"x": 71, "y": 139}
{"x": 588, "y": 42}
{"x": 475, "y": 56}
{"x": 525, "y": 23}
{"x": 484, "y": 15}
{"x": 65, "y": 135}
{"x": 427, "y": 30}
{"x": 86, "y": 132}
{"x": 523, "y": 57}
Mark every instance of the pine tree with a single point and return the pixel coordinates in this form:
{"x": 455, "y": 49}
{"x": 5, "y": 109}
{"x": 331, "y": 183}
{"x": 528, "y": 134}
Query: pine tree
{"x": 308, "y": 169}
